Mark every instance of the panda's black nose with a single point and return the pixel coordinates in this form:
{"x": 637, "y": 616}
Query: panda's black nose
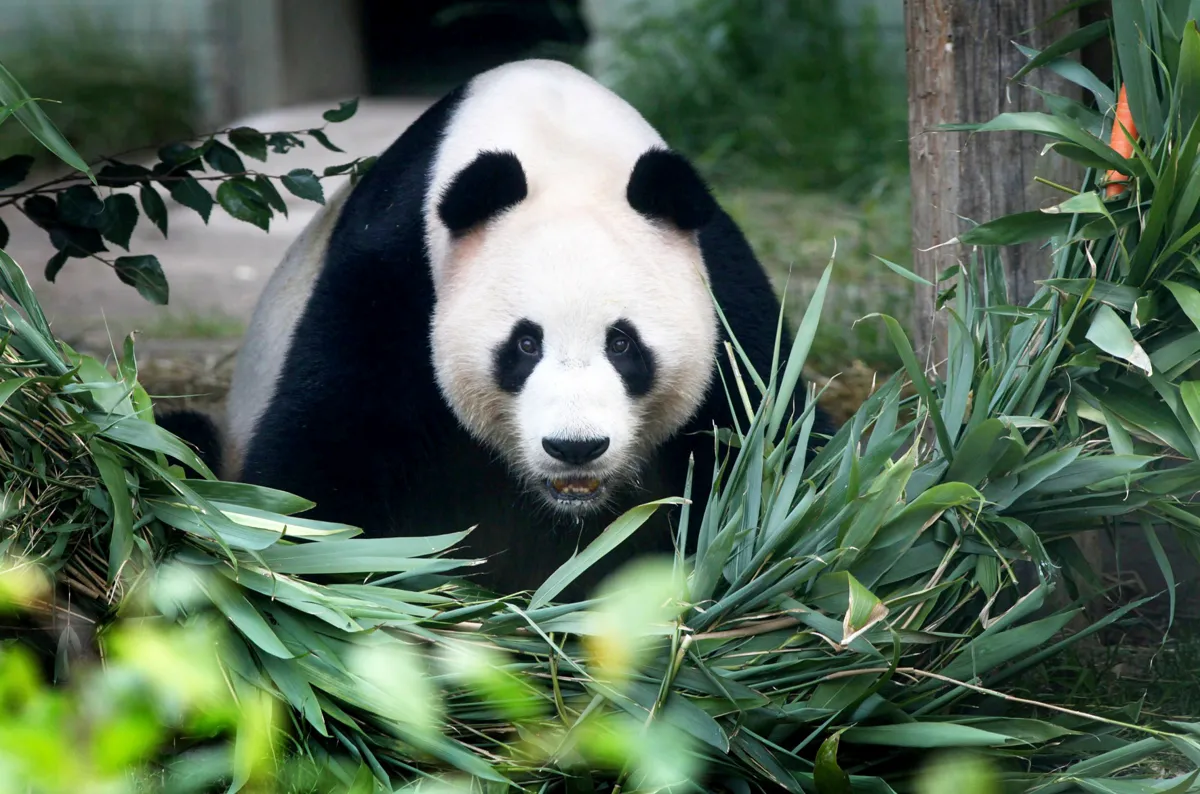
{"x": 575, "y": 451}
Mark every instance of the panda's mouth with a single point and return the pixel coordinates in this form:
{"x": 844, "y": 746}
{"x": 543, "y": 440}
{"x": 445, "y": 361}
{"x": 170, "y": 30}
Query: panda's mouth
{"x": 574, "y": 489}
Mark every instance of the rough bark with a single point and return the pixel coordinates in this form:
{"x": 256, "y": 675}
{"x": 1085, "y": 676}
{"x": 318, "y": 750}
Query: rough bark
{"x": 961, "y": 58}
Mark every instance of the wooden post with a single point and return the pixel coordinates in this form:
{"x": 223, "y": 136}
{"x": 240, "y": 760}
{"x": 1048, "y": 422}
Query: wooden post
{"x": 961, "y": 57}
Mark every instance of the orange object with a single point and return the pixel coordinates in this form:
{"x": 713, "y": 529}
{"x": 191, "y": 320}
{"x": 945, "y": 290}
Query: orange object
{"x": 1115, "y": 181}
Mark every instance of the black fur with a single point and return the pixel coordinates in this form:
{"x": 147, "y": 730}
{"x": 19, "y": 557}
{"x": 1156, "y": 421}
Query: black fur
{"x": 636, "y": 364}
{"x": 196, "y": 429}
{"x": 664, "y": 186}
{"x": 358, "y": 425}
{"x": 492, "y": 183}
{"x": 511, "y": 365}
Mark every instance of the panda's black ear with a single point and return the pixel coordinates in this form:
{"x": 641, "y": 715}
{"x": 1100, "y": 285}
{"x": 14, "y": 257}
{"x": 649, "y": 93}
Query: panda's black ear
{"x": 664, "y": 186}
{"x": 492, "y": 183}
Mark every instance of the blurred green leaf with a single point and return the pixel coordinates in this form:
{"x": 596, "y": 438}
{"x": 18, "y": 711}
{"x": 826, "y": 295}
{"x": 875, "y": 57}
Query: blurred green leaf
{"x": 926, "y": 735}
{"x": 322, "y": 139}
{"x": 240, "y": 198}
{"x": 249, "y": 142}
{"x": 154, "y": 207}
{"x": 120, "y": 218}
{"x": 14, "y": 170}
{"x": 344, "y": 111}
{"x": 54, "y": 265}
{"x": 365, "y": 555}
{"x": 31, "y": 116}
{"x": 118, "y": 174}
{"x": 224, "y": 159}
{"x": 267, "y": 190}
{"x": 302, "y": 182}
{"x": 191, "y": 194}
{"x": 145, "y": 274}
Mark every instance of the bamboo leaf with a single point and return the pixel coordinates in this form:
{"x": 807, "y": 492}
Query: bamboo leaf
{"x": 120, "y": 544}
{"x": 829, "y": 777}
{"x": 1019, "y": 227}
{"x": 801, "y": 344}
{"x": 864, "y": 610}
{"x": 1189, "y": 391}
{"x": 1188, "y": 300}
{"x": 1078, "y": 74}
{"x": 1111, "y": 335}
{"x": 247, "y": 495}
{"x": 1187, "y": 81}
{"x": 1119, "y": 296}
{"x": 989, "y": 651}
{"x": 926, "y": 735}
{"x": 905, "y": 272}
{"x": 975, "y": 455}
{"x": 615, "y": 534}
{"x": 1075, "y": 40}
{"x": 1088, "y": 471}
{"x": 147, "y": 436}
{"x": 1136, "y": 67}
{"x": 1064, "y": 130}
{"x": 245, "y": 617}
{"x": 25, "y": 109}
{"x": 11, "y": 386}
{"x": 358, "y": 555}
{"x": 917, "y": 376}
{"x": 923, "y": 511}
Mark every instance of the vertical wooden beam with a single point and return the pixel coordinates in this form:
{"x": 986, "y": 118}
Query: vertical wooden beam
{"x": 961, "y": 57}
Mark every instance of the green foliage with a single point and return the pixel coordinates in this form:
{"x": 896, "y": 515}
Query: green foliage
{"x": 863, "y": 594}
{"x": 781, "y": 93}
{"x": 843, "y": 620}
{"x": 84, "y": 219}
{"x": 104, "y": 97}
{"x": 161, "y": 688}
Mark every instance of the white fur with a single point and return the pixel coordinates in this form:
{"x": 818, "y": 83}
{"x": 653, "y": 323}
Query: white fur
{"x": 573, "y": 257}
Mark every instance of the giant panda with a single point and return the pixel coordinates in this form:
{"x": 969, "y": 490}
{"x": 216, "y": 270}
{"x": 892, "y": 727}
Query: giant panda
{"x": 506, "y": 324}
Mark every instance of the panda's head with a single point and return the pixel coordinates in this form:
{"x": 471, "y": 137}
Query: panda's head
{"x": 574, "y": 330}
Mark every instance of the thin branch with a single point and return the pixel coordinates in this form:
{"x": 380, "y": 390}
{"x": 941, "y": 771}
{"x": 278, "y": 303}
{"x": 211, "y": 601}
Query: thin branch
{"x": 53, "y": 185}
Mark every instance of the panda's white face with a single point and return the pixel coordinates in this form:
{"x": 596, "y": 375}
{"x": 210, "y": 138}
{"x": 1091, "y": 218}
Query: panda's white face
{"x": 573, "y": 341}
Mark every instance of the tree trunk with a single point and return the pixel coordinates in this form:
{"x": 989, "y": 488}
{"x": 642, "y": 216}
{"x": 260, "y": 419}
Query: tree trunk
{"x": 961, "y": 57}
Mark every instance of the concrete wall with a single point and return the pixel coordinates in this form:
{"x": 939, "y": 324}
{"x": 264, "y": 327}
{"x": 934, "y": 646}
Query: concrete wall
{"x": 323, "y": 57}
{"x": 183, "y": 29}
{"x": 247, "y": 55}
{"x": 288, "y": 52}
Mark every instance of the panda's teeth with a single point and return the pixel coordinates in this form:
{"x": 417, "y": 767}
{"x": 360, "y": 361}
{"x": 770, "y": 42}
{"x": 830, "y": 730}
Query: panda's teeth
{"x": 576, "y": 487}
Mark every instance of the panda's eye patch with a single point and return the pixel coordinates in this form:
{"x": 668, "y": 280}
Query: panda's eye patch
{"x": 529, "y": 346}
{"x": 631, "y": 358}
{"x": 514, "y": 359}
